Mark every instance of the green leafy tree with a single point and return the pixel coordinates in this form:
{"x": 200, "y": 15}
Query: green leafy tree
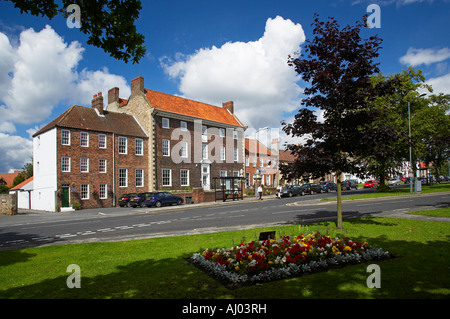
{"x": 108, "y": 23}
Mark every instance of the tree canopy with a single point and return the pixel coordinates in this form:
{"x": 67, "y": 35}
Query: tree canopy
{"x": 338, "y": 65}
{"x": 108, "y": 23}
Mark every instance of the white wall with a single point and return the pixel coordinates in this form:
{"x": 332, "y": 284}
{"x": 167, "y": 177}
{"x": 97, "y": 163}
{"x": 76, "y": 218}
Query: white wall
{"x": 44, "y": 171}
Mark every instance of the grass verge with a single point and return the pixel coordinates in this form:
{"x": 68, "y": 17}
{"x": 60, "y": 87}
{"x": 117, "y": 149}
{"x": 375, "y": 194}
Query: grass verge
{"x": 156, "y": 268}
{"x": 394, "y": 192}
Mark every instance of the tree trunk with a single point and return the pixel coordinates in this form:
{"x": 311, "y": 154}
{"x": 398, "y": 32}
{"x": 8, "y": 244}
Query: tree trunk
{"x": 339, "y": 201}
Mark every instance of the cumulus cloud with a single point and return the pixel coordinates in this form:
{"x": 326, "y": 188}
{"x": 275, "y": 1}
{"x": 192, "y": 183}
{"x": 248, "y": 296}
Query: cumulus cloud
{"x": 254, "y": 75}
{"x": 415, "y": 57}
{"x": 440, "y": 84}
{"x": 37, "y": 74}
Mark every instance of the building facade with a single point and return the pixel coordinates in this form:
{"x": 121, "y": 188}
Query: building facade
{"x": 87, "y": 158}
{"x": 190, "y": 142}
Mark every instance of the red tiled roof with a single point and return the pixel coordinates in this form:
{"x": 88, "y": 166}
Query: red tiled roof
{"x": 86, "y": 118}
{"x": 179, "y": 105}
{"x": 19, "y": 186}
{"x": 9, "y": 177}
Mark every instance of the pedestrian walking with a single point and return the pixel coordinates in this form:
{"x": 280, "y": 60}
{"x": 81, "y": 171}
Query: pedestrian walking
{"x": 279, "y": 191}
{"x": 260, "y": 192}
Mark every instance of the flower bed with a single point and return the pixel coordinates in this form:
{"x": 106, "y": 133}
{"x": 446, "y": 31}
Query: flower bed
{"x": 283, "y": 257}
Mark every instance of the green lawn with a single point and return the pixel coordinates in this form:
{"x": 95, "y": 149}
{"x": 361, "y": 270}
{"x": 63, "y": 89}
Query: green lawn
{"x": 156, "y": 268}
{"x": 393, "y": 192}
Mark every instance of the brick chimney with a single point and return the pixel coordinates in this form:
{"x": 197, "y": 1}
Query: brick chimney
{"x": 229, "y": 106}
{"x": 113, "y": 95}
{"x": 97, "y": 102}
{"x": 137, "y": 85}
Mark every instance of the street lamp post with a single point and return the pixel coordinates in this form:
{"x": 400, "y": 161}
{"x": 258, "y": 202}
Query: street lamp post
{"x": 411, "y": 172}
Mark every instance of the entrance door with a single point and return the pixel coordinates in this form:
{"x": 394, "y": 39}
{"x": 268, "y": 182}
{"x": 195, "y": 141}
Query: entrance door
{"x": 65, "y": 197}
{"x": 206, "y": 177}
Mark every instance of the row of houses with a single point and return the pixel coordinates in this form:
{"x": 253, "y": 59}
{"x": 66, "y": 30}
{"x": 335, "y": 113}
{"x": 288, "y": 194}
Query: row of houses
{"x": 148, "y": 142}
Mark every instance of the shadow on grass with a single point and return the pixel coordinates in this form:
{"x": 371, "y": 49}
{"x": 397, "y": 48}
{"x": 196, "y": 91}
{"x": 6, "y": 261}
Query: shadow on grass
{"x": 420, "y": 270}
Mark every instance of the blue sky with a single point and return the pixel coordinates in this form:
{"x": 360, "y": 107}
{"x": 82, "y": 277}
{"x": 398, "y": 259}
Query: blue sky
{"x": 210, "y": 51}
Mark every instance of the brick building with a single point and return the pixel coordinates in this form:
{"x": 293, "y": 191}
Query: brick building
{"x": 88, "y": 156}
{"x": 190, "y": 142}
{"x": 261, "y": 163}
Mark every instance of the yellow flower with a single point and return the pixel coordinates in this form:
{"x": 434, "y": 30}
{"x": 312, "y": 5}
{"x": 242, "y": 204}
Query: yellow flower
{"x": 347, "y": 248}
{"x": 236, "y": 268}
{"x": 250, "y": 256}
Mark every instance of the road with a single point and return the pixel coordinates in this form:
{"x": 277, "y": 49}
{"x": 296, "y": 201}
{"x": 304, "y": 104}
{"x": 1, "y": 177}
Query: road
{"x": 112, "y": 224}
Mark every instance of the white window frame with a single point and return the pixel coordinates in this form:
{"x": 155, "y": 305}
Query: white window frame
{"x": 139, "y": 177}
{"x": 84, "y": 191}
{"x": 235, "y": 135}
{"x": 183, "y": 125}
{"x": 164, "y": 181}
{"x": 223, "y": 173}
{"x": 165, "y": 122}
{"x": 235, "y": 154}
{"x": 222, "y": 153}
{"x": 204, "y": 133}
{"x": 84, "y": 167}
{"x": 102, "y": 191}
{"x": 65, "y": 137}
{"x": 204, "y": 151}
{"x": 166, "y": 148}
{"x": 139, "y": 146}
{"x": 221, "y": 132}
{"x": 67, "y": 164}
{"x": 123, "y": 147}
{"x": 101, "y": 140}
{"x": 100, "y": 165}
{"x": 247, "y": 163}
{"x": 184, "y": 175}
{"x": 184, "y": 149}
{"x": 123, "y": 177}
{"x": 84, "y": 139}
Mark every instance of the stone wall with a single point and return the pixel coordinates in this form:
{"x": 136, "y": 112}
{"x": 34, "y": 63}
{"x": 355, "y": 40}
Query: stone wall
{"x": 8, "y": 204}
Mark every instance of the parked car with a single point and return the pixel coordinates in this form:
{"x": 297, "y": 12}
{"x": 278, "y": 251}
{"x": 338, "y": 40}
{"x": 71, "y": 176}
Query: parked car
{"x": 349, "y": 184}
{"x": 311, "y": 188}
{"x": 125, "y": 199}
{"x": 162, "y": 198}
{"x": 370, "y": 184}
{"x": 328, "y": 186}
{"x": 139, "y": 199}
{"x": 290, "y": 190}
{"x": 394, "y": 181}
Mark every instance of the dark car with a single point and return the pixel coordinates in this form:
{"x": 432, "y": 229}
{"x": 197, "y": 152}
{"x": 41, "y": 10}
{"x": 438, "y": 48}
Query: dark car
{"x": 328, "y": 186}
{"x": 162, "y": 198}
{"x": 125, "y": 199}
{"x": 290, "y": 190}
{"x": 311, "y": 188}
{"x": 139, "y": 199}
{"x": 348, "y": 185}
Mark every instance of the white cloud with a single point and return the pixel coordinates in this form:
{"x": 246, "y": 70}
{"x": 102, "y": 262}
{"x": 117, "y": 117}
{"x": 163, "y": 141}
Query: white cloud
{"x": 415, "y": 57}
{"x": 440, "y": 84}
{"x": 254, "y": 75}
{"x": 37, "y": 74}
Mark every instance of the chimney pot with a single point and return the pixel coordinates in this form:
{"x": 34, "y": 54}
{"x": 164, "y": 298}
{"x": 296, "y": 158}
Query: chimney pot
{"x": 113, "y": 95}
{"x": 229, "y": 106}
{"x": 97, "y": 103}
{"x": 137, "y": 85}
